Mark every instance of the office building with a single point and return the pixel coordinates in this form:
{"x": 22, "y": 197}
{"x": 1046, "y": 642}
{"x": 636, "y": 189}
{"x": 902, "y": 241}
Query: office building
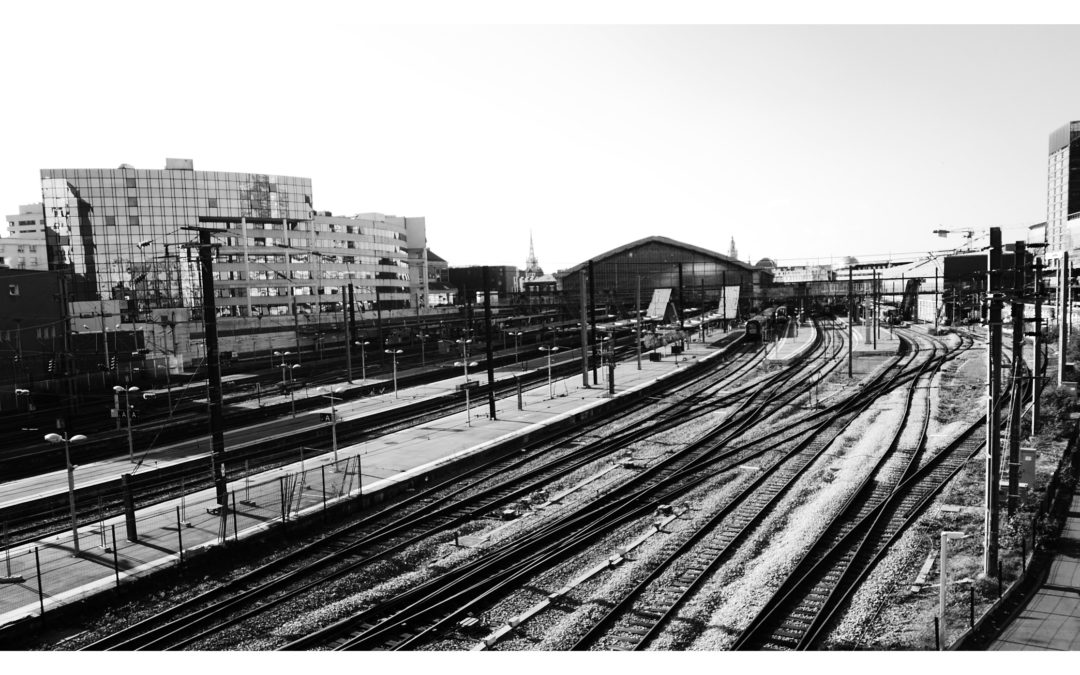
{"x": 1063, "y": 190}
{"x": 29, "y": 222}
{"x": 280, "y": 268}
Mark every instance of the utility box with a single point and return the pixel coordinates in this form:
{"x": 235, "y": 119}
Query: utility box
{"x": 1027, "y": 467}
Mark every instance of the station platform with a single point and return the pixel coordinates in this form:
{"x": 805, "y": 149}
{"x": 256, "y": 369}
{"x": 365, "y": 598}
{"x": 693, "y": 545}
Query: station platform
{"x": 1050, "y": 621}
{"x": 43, "y": 575}
{"x": 798, "y": 338}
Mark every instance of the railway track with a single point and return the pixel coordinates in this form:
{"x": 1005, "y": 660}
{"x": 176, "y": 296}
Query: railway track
{"x": 395, "y": 528}
{"x": 689, "y": 556}
{"x": 29, "y": 521}
{"x": 418, "y": 616}
{"x": 811, "y": 596}
{"x": 381, "y": 628}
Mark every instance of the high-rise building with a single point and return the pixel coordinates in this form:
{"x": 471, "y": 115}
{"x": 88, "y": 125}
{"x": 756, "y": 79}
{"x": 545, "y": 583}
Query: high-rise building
{"x": 1063, "y": 189}
{"x": 121, "y": 234}
{"x": 121, "y": 231}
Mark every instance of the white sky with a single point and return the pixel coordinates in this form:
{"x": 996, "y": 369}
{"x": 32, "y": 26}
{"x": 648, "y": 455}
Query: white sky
{"x": 798, "y": 141}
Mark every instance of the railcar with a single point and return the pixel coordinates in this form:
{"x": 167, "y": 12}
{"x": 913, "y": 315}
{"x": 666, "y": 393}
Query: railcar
{"x": 755, "y": 327}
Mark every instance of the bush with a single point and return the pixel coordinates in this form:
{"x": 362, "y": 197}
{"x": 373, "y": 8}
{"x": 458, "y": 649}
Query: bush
{"x": 1072, "y": 350}
{"x": 1057, "y": 403}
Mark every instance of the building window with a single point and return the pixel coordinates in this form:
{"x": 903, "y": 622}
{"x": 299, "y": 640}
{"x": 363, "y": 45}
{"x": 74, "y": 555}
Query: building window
{"x": 133, "y": 221}
{"x": 133, "y": 201}
{"x": 130, "y": 182}
{"x": 13, "y": 289}
{"x": 211, "y": 202}
{"x": 110, "y": 221}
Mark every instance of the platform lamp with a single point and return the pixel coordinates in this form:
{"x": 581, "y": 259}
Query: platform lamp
{"x": 468, "y": 409}
{"x": 551, "y": 393}
{"x": 19, "y": 393}
{"x": 283, "y": 365}
{"x": 517, "y": 346}
{"x": 127, "y": 410}
{"x": 394, "y": 353}
{"x": 944, "y": 558}
{"x": 330, "y": 394}
{"x": 292, "y": 388}
{"x": 63, "y": 438}
{"x": 363, "y": 359}
{"x": 464, "y": 353}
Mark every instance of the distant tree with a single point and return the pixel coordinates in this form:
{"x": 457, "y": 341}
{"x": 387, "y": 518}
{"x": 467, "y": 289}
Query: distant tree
{"x": 851, "y": 260}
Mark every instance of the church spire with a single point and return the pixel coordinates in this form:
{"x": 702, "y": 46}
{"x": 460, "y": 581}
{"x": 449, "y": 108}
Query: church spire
{"x": 733, "y": 252}
{"x": 532, "y": 266}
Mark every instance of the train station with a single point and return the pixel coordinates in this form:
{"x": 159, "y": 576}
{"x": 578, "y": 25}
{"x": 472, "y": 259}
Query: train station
{"x": 702, "y": 340}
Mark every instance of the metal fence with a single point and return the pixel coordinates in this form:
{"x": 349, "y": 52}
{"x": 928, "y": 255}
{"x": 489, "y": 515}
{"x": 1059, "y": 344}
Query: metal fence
{"x": 46, "y": 575}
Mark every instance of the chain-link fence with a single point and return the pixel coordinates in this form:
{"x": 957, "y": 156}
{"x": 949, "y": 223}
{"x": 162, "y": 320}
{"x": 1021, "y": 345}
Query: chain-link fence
{"x": 48, "y": 574}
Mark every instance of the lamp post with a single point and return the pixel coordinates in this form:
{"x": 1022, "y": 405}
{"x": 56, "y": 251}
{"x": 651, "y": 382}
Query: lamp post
{"x": 333, "y": 418}
{"x": 127, "y": 413}
{"x": 57, "y": 438}
{"x": 283, "y": 365}
{"x": 608, "y": 350}
{"x": 468, "y": 409}
{"x": 945, "y": 537}
{"x": 551, "y": 393}
{"x": 363, "y": 360}
{"x": 394, "y": 353}
{"x": 292, "y": 388}
{"x": 286, "y": 368}
{"x": 19, "y": 393}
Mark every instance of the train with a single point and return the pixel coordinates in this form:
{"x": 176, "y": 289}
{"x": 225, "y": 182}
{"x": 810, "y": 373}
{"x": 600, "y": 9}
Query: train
{"x": 771, "y": 321}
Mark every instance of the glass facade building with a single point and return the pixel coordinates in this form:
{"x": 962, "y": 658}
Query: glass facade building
{"x": 1062, "y": 187}
{"x": 121, "y": 234}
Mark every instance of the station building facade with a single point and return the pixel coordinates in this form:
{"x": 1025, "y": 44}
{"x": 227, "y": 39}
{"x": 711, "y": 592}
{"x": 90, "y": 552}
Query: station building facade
{"x": 657, "y": 262}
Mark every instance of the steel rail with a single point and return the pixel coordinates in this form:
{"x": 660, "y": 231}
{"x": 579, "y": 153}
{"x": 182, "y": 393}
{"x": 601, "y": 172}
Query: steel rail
{"x": 149, "y": 636}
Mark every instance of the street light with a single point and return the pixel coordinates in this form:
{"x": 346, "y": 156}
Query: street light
{"x": 551, "y": 393}
{"x": 292, "y": 388}
{"x": 285, "y": 367}
{"x": 607, "y": 351}
{"x": 127, "y": 413}
{"x": 468, "y": 409}
{"x": 363, "y": 360}
{"x": 517, "y": 345}
{"x": 333, "y": 417}
{"x": 19, "y": 393}
{"x": 57, "y": 438}
{"x": 394, "y": 353}
{"x": 945, "y": 537}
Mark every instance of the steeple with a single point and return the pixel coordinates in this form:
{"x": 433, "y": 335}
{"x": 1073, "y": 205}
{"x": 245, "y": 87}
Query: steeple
{"x": 733, "y": 252}
{"x": 532, "y": 267}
